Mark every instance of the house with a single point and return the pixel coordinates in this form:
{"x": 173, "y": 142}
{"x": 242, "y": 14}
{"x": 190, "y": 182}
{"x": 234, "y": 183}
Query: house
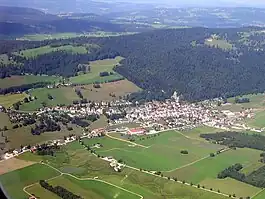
{"x": 136, "y": 131}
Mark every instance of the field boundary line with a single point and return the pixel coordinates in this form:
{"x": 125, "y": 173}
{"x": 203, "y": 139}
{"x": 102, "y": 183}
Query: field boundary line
{"x": 188, "y": 137}
{"x": 256, "y": 194}
{"x": 107, "y": 134}
{"x": 80, "y": 179}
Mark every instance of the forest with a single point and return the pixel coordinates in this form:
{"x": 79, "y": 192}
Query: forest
{"x": 236, "y": 139}
{"x": 161, "y": 62}
{"x": 256, "y": 178}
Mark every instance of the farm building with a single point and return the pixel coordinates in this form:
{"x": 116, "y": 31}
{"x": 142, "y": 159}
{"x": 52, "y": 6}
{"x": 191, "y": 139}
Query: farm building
{"x": 136, "y": 131}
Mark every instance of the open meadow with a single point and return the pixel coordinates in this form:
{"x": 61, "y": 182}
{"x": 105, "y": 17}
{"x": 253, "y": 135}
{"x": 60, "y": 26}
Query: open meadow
{"x": 64, "y": 95}
{"x": 26, "y": 79}
{"x": 48, "y": 49}
{"x": 219, "y": 43}
{"x": 96, "y": 67}
{"x": 79, "y": 166}
{"x": 9, "y": 99}
{"x": 205, "y": 171}
{"x": 159, "y": 153}
{"x": 108, "y": 91}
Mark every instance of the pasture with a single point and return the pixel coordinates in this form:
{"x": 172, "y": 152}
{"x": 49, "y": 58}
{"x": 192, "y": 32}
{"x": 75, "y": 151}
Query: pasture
{"x": 96, "y": 67}
{"x": 257, "y": 101}
{"x": 160, "y": 153}
{"x": 81, "y": 163}
{"x": 63, "y": 95}
{"x": 218, "y": 43}
{"x": 26, "y": 79}
{"x": 108, "y": 91}
{"x": 258, "y": 121}
{"x": 29, "y": 53}
{"x": 205, "y": 171}
{"x": 23, "y": 136}
{"x": 8, "y": 100}
{"x": 15, "y": 181}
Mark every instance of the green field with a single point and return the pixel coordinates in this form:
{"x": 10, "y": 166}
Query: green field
{"x": 85, "y": 188}
{"x": 15, "y": 181}
{"x": 208, "y": 169}
{"x": 81, "y": 163}
{"x": 48, "y": 49}
{"x": 219, "y": 43}
{"x": 258, "y": 121}
{"x": 161, "y": 152}
{"x": 95, "y": 68}
{"x": 39, "y": 37}
{"x": 8, "y": 100}
{"x": 256, "y": 102}
{"x": 64, "y": 95}
{"x": 195, "y": 132}
{"x": 26, "y": 79}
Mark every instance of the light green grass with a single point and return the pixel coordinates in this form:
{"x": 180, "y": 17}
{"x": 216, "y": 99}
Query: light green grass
{"x": 231, "y": 186}
{"x": 95, "y": 68}
{"x": 256, "y": 101}
{"x": 163, "y": 152}
{"x": 195, "y": 132}
{"x": 209, "y": 168}
{"x": 15, "y": 181}
{"x": 150, "y": 187}
{"x": 8, "y": 100}
{"x": 26, "y": 79}
{"x": 64, "y": 95}
{"x": 90, "y": 188}
{"x": 219, "y": 43}
{"x": 258, "y": 121}
{"x": 260, "y": 195}
{"x": 48, "y": 49}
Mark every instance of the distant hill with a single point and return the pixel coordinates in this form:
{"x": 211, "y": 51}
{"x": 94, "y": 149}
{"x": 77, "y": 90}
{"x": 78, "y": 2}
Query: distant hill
{"x": 20, "y": 21}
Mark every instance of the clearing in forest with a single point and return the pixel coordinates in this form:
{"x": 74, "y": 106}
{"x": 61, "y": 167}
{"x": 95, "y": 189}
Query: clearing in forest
{"x": 93, "y": 76}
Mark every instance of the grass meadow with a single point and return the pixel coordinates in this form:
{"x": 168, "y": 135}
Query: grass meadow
{"x": 64, "y": 95}
{"x": 95, "y": 68}
{"x": 8, "y": 100}
{"x": 26, "y": 79}
{"x": 81, "y": 163}
{"x": 161, "y": 153}
{"x": 205, "y": 172}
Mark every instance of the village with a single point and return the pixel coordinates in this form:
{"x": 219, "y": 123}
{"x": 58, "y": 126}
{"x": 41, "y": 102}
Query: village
{"x": 151, "y": 117}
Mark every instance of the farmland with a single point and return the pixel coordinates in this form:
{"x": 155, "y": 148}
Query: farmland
{"x": 108, "y": 91}
{"x": 26, "y": 79}
{"x": 48, "y": 49}
{"x": 156, "y": 153}
{"x": 219, "y": 43}
{"x": 9, "y": 99}
{"x": 64, "y": 95}
{"x": 96, "y": 67}
{"x": 196, "y": 173}
{"x": 75, "y": 160}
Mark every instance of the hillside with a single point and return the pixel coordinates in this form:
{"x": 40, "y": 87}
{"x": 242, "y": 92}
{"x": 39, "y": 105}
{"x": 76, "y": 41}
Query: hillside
{"x": 199, "y": 63}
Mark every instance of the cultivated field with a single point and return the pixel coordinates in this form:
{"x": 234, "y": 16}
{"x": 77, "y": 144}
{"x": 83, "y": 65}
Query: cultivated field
{"x": 13, "y": 164}
{"x": 76, "y": 160}
{"x": 205, "y": 172}
{"x": 64, "y": 95}
{"x": 23, "y": 136}
{"x": 15, "y": 181}
{"x": 96, "y": 67}
{"x": 26, "y": 79}
{"x": 8, "y": 100}
{"x": 108, "y": 90}
{"x": 160, "y": 153}
{"x": 48, "y": 49}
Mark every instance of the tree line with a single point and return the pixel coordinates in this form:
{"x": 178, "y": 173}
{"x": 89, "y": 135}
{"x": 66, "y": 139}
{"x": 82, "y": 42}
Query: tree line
{"x": 59, "y": 191}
